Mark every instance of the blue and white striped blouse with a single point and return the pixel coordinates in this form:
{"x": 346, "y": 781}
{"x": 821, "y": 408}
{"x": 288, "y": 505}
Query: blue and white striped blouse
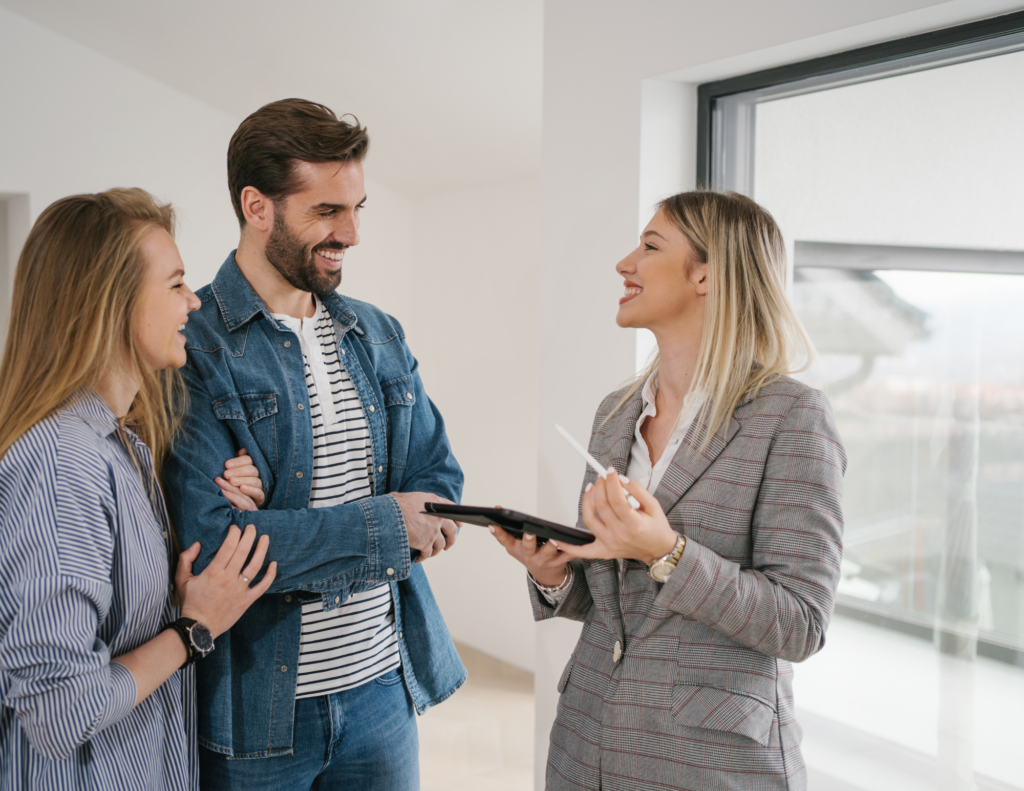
{"x": 84, "y": 577}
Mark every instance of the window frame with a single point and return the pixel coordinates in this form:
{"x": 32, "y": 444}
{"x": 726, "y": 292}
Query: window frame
{"x": 915, "y": 53}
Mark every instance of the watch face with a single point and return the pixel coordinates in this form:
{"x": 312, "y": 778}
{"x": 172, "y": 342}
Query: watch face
{"x": 201, "y": 638}
{"x": 661, "y": 571}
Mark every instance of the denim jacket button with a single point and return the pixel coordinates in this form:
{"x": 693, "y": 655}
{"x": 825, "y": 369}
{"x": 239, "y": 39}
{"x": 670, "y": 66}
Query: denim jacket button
{"x": 380, "y": 468}
{"x": 342, "y": 352}
{"x": 408, "y": 395}
{"x": 298, "y": 474}
{"x": 288, "y": 598}
{"x": 284, "y": 668}
{"x": 300, "y": 407}
{"x": 373, "y": 408}
{"x": 391, "y": 572}
{"x": 337, "y": 599}
{"x": 287, "y": 344}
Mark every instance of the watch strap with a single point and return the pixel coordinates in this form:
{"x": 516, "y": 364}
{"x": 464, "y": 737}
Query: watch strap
{"x": 182, "y": 627}
{"x": 671, "y": 560}
{"x": 677, "y": 553}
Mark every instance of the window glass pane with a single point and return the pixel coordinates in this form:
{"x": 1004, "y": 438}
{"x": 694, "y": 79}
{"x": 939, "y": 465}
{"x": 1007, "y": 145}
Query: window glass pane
{"x": 922, "y": 676}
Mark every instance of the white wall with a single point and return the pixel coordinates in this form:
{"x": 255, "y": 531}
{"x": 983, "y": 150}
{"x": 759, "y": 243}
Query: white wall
{"x": 77, "y": 121}
{"x": 476, "y": 278}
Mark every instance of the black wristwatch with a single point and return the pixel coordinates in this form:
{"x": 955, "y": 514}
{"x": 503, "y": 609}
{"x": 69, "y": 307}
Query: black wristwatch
{"x": 197, "y": 638}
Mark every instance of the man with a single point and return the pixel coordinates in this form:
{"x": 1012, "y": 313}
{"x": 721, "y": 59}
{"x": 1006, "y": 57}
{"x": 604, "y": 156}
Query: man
{"x": 318, "y": 683}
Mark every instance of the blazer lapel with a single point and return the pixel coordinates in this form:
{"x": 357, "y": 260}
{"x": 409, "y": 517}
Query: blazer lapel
{"x": 619, "y": 430}
{"x": 687, "y": 465}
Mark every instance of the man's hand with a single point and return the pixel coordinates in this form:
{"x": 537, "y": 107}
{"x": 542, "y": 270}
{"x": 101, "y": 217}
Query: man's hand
{"x": 428, "y": 534}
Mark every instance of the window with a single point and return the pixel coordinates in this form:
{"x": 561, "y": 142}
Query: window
{"x": 896, "y": 173}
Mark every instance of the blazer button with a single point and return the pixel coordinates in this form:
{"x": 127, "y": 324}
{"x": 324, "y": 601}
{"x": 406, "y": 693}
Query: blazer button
{"x": 617, "y": 652}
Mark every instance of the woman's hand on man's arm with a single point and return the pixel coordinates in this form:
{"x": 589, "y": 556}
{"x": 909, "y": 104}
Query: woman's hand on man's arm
{"x": 217, "y": 598}
{"x": 241, "y": 483}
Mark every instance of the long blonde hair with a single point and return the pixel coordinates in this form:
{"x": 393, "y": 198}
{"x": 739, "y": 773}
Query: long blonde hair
{"x": 751, "y": 332}
{"x": 75, "y": 295}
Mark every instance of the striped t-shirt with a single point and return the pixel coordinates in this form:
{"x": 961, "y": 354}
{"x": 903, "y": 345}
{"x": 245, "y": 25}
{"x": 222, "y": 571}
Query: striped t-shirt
{"x": 356, "y": 642}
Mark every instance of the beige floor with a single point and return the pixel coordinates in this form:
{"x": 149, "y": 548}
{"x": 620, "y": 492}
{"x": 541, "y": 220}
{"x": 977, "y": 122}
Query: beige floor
{"x": 481, "y": 737}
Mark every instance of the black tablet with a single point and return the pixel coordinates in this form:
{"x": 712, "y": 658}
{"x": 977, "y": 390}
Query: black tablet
{"x": 514, "y": 522}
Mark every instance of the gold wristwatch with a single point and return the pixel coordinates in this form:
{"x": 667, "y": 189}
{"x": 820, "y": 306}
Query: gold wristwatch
{"x": 662, "y": 568}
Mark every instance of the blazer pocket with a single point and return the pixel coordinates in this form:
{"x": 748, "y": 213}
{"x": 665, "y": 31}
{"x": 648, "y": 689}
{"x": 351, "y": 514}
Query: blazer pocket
{"x": 719, "y": 710}
{"x": 566, "y": 673}
{"x": 252, "y": 409}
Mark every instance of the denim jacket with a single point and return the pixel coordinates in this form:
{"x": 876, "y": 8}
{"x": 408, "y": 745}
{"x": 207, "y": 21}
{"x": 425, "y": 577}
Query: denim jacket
{"x": 247, "y": 389}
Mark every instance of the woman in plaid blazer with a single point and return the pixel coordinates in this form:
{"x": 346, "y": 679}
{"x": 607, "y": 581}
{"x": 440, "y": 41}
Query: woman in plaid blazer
{"x": 695, "y": 605}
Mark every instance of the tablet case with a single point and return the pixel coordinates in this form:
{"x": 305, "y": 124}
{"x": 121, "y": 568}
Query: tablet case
{"x": 514, "y": 522}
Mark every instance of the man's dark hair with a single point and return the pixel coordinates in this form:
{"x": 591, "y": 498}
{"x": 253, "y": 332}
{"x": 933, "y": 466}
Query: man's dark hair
{"x": 263, "y": 150}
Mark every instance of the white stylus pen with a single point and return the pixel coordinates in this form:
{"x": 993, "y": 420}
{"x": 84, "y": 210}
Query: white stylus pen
{"x": 592, "y": 462}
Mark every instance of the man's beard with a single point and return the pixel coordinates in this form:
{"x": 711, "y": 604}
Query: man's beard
{"x": 295, "y": 261}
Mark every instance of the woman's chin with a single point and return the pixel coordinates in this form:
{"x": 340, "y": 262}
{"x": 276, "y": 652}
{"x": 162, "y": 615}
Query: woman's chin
{"x": 624, "y": 319}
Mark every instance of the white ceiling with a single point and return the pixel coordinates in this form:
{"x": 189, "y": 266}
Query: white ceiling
{"x": 449, "y": 89}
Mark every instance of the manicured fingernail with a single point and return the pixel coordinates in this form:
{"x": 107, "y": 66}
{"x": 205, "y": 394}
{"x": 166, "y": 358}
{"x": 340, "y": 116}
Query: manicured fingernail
{"x": 491, "y": 528}
{"x": 555, "y": 545}
{"x": 589, "y": 487}
{"x": 624, "y": 479}
{"x": 528, "y": 536}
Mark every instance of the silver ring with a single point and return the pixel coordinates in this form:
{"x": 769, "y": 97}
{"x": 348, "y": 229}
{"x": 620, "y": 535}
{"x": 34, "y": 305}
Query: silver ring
{"x": 245, "y": 579}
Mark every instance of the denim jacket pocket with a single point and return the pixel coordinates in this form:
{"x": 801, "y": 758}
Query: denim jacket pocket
{"x": 258, "y": 435}
{"x": 720, "y": 710}
{"x": 399, "y": 398}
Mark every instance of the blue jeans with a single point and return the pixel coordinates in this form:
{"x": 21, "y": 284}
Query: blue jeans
{"x": 362, "y": 739}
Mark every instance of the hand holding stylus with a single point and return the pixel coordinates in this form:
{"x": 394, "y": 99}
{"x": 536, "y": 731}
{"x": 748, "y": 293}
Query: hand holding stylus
{"x": 601, "y": 471}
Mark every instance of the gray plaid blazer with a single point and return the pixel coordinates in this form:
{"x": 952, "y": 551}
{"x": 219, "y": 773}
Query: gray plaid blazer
{"x": 701, "y": 696}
